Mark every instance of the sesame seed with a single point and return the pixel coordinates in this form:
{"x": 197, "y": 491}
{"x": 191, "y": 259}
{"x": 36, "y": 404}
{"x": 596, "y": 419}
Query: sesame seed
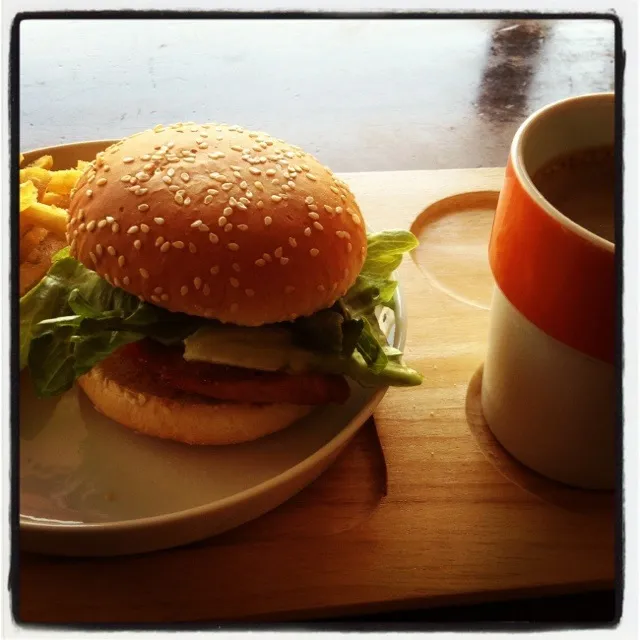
{"x": 228, "y": 227}
{"x": 197, "y": 283}
{"x": 187, "y": 201}
{"x": 328, "y": 209}
{"x": 349, "y": 247}
{"x": 234, "y": 167}
{"x": 289, "y": 289}
{"x": 236, "y": 267}
{"x": 243, "y": 227}
{"x": 126, "y": 281}
{"x": 102, "y": 224}
{"x": 109, "y": 219}
{"x": 267, "y": 257}
{"x": 144, "y": 228}
{"x": 312, "y": 207}
{"x": 213, "y": 192}
{"x": 267, "y": 221}
{"x": 284, "y": 261}
{"x": 260, "y": 262}
{"x": 143, "y": 207}
{"x": 195, "y": 224}
{"x": 208, "y": 199}
{"x": 149, "y": 166}
{"x": 203, "y": 227}
{"x": 178, "y": 198}
{"x": 115, "y": 227}
{"x": 255, "y": 171}
{"x": 164, "y": 296}
{"x": 213, "y": 238}
{"x": 166, "y": 179}
{"x": 227, "y": 186}
{"x": 339, "y": 209}
{"x": 171, "y": 172}
{"x": 155, "y": 298}
{"x": 270, "y": 172}
{"x": 276, "y": 198}
{"x": 258, "y": 185}
{"x": 291, "y": 184}
{"x": 174, "y": 188}
{"x": 235, "y": 147}
{"x": 278, "y": 252}
{"x": 355, "y": 219}
{"x": 93, "y": 257}
{"x": 216, "y": 155}
{"x": 192, "y": 247}
{"x": 334, "y": 189}
{"x": 314, "y": 252}
{"x": 184, "y": 177}
{"x": 159, "y": 220}
{"x": 142, "y": 176}
{"x": 313, "y": 215}
{"x": 165, "y": 247}
{"x": 318, "y": 226}
{"x": 309, "y": 200}
{"x": 121, "y": 261}
{"x": 184, "y": 290}
{"x": 206, "y": 289}
{"x": 89, "y": 193}
{"x": 249, "y": 195}
{"x": 307, "y": 231}
{"x": 144, "y": 273}
{"x": 127, "y": 159}
{"x": 234, "y": 282}
{"x": 222, "y": 221}
{"x": 159, "y": 241}
{"x": 237, "y": 175}
{"x": 233, "y": 246}
{"x": 133, "y": 229}
{"x": 99, "y": 249}
{"x": 101, "y": 181}
{"x": 311, "y": 176}
{"x": 292, "y": 242}
{"x": 259, "y": 204}
{"x": 137, "y": 244}
{"x": 214, "y": 270}
{"x": 286, "y": 187}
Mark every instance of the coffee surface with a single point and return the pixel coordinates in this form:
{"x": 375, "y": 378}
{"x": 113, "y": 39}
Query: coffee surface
{"x": 581, "y": 185}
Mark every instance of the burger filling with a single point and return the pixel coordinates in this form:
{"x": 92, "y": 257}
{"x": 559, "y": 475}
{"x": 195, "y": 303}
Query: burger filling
{"x": 73, "y": 319}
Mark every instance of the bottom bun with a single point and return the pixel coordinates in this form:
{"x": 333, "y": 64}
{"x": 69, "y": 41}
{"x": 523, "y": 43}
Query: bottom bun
{"x": 122, "y": 391}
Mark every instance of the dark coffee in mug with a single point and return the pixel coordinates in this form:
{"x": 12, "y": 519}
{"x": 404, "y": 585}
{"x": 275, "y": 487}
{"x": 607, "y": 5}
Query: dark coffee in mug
{"x": 581, "y": 185}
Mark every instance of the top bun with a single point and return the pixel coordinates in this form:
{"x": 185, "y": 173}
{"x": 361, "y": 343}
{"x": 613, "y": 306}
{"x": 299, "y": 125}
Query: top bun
{"x": 217, "y": 221}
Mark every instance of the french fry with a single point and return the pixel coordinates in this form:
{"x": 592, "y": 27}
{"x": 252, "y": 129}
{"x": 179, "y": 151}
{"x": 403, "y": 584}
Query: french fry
{"x": 21, "y": 159}
{"x": 82, "y": 165}
{"x": 58, "y": 199}
{"x": 62, "y": 182}
{"x": 28, "y": 195}
{"x": 44, "y": 162}
{"x": 40, "y": 178}
{"x": 30, "y": 240}
{"x": 48, "y": 216}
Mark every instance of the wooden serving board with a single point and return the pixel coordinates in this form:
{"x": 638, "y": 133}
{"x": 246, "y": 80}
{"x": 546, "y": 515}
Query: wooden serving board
{"x": 422, "y": 508}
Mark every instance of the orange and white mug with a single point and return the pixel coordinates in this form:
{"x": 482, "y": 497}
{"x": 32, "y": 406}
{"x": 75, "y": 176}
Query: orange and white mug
{"x": 549, "y": 383}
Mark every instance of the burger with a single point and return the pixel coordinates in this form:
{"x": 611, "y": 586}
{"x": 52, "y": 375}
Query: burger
{"x": 218, "y": 284}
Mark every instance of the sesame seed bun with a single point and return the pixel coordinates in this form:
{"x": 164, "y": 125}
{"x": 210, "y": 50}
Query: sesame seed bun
{"x": 220, "y": 222}
{"x": 124, "y": 392}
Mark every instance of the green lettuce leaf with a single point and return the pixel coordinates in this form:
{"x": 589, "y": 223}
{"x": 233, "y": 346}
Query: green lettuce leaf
{"x": 375, "y": 288}
{"x": 73, "y": 319}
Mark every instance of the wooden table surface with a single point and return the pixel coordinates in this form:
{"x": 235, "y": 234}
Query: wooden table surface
{"x": 421, "y": 508}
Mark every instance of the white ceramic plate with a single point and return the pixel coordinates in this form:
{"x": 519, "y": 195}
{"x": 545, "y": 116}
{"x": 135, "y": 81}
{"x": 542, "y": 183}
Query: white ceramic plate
{"x": 89, "y": 486}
